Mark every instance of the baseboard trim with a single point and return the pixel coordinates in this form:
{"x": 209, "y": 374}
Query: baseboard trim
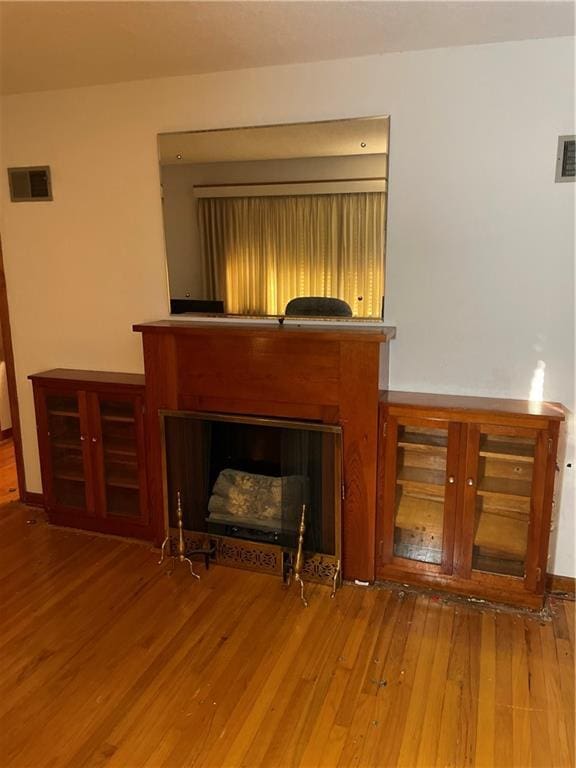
{"x": 565, "y": 585}
{"x": 6, "y": 434}
{"x": 33, "y": 499}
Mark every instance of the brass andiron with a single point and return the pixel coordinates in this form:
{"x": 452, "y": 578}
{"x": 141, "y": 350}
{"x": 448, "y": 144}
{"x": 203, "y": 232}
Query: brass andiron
{"x": 299, "y": 564}
{"x": 335, "y": 580}
{"x": 181, "y": 557}
{"x": 165, "y": 544}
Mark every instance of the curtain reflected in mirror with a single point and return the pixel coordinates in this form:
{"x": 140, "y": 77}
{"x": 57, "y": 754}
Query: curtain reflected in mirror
{"x": 261, "y": 252}
{"x": 255, "y": 218}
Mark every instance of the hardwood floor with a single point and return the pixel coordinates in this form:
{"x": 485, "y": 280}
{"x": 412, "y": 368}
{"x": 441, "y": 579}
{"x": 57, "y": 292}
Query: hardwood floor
{"x": 8, "y": 480}
{"x": 108, "y": 661}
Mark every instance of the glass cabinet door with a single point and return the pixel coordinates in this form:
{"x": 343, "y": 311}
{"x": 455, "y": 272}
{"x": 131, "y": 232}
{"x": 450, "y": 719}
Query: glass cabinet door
{"x": 66, "y": 441}
{"x": 121, "y": 439}
{"x": 424, "y": 482}
{"x": 499, "y": 486}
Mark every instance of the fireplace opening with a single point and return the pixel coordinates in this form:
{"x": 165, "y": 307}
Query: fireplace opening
{"x": 248, "y": 479}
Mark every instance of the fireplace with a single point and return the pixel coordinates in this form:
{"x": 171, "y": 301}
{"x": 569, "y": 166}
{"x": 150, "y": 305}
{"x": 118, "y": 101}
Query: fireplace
{"x": 245, "y": 484}
{"x": 328, "y": 377}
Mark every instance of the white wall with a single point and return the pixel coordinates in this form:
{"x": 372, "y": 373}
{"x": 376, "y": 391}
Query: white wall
{"x": 183, "y": 255}
{"x": 480, "y": 265}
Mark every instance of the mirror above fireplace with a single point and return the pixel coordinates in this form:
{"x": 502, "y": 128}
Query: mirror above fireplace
{"x": 257, "y": 217}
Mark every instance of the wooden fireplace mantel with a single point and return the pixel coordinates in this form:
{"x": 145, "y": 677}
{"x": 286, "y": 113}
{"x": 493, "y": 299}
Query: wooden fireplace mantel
{"x": 332, "y": 375}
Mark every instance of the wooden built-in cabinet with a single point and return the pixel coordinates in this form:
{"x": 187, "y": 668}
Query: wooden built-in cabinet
{"x": 92, "y": 450}
{"x": 454, "y": 493}
{"x": 465, "y": 494}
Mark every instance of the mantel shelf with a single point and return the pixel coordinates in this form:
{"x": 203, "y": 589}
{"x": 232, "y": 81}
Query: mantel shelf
{"x": 337, "y": 332}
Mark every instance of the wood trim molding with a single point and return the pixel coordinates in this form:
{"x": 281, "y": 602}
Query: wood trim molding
{"x": 565, "y": 585}
{"x": 33, "y": 499}
{"x": 11, "y": 379}
{"x": 6, "y": 434}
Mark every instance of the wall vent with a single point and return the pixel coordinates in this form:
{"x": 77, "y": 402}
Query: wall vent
{"x": 566, "y": 159}
{"x": 30, "y": 184}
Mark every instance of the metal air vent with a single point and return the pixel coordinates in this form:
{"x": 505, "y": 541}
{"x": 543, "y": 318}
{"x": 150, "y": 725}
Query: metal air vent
{"x": 30, "y": 184}
{"x": 566, "y": 159}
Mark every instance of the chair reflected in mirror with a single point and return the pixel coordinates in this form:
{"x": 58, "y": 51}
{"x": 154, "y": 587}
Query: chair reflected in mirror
{"x": 317, "y": 306}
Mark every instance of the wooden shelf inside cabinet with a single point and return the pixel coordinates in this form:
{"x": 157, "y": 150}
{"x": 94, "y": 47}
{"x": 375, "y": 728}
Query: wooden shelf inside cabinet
{"x": 425, "y": 479}
{"x": 422, "y": 442}
{"x": 501, "y": 537}
{"x": 122, "y": 481}
{"x": 494, "y": 449}
{"x": 432, "y": 450}
{"x": 69, "y": 445}
{"x": 72, "y": 477}
{"x": 118, "y": 418}
{"x": 502, "y": 486}
{"x": 72, "y": 469}
{"x": 420, "y": 514}
{"x": 61, "y": 412}
{"x": 119, "y": 448}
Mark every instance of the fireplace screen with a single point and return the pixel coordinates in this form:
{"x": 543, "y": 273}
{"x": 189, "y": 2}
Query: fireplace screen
{"x": 249, "y": 478}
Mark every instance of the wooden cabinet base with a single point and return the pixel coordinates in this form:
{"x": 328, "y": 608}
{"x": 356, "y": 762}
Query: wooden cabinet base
{"x": 561, "y": 585}
{"x": 32, "y": 499}
{"x": 99, "y": 525}
{"x": 490, "y": 587}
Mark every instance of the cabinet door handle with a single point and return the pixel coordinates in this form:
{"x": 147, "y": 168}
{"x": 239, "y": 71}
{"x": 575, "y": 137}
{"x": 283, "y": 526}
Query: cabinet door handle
{"x": 93, "y": 439}
{"x": 470, "y": 481}
{"x": 451, "y": 479}
{"x": 82, "y": 438}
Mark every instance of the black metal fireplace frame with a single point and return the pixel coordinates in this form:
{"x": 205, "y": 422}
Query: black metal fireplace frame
{"x": 256, "y": 555}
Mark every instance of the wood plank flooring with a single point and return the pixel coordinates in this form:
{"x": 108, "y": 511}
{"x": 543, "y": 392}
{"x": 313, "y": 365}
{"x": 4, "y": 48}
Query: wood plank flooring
{"x": 8, "y": 480}
{"x": 108, "y": 661}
